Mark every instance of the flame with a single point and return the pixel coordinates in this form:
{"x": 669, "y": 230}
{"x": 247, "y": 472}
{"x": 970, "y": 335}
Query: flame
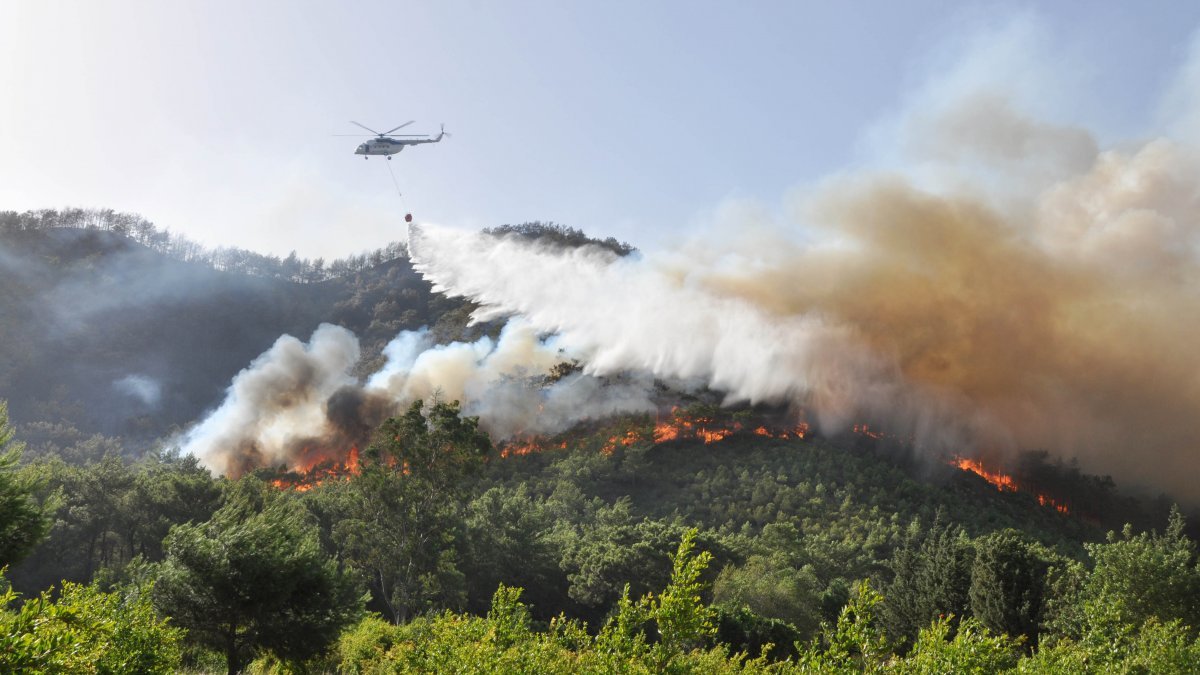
{"x": 1004, "y": 482}
{"x": 676, "y": 426}
{"x": 630, "y": 437}
{"x": 713, "y": 435}
{"x": 317, "y": 467}
{"x": 318, "y": 470}
{"x": 865, "y": 430}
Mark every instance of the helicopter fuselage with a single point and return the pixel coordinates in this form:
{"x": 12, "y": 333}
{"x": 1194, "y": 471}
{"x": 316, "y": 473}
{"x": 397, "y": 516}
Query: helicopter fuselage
{"x": 380, "y": 146}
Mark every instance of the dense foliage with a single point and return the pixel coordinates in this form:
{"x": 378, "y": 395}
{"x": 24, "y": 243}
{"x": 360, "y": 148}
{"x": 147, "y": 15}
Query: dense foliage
{"x": 750, "y": 554}
{"x": 254, "y": 579}
{"x": 178, "y": 247}
{"x": 86, "y": 630}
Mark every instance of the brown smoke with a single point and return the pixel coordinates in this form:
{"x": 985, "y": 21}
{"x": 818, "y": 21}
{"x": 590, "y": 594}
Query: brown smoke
{"x": 1023, "y": 289}
{"x": 1071, "y": 320}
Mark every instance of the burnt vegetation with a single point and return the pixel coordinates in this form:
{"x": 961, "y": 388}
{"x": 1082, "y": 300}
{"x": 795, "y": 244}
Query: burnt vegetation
{"x": 725, "y": 543}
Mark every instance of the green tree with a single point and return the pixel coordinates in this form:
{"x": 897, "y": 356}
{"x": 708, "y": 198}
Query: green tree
{"x": 682, "y": 622}
{"x": 771, "y": 588}
{"x": 110, "y": 511}
{"x": 856, "y": 643}
{"x": 1008, "y": 582}
{"x": 514, "y": 539}
{"x": 398, "y": 522}
{"x": 968, "y": 649}
{"x": 86, "y": 631}
{"x": 1147, "y": 575}
{"x": 931, "y": 579}
{"x": 615, "y": 550}
{"x": 254, "y": 579}
{"x": 1135, "y": 611}
{"x": 23, "y": 521}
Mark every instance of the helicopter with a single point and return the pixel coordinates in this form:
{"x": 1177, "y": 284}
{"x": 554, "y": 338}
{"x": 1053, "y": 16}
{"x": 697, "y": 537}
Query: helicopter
{"x": 387, "y": 144}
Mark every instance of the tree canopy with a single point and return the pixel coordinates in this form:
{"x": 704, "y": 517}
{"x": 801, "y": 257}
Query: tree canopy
{"x": 254, "y": 579}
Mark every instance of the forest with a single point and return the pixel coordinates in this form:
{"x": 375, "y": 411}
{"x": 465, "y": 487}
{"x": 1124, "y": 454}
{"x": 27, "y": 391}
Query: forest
{"x": 745, "y": 554}
{"x": 735, "y": 543}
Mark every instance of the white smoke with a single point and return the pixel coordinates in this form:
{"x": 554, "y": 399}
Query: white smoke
{"x": 621, "y": 315}
{"x": 504, "y": 382}
{"x": 298, "y": 404}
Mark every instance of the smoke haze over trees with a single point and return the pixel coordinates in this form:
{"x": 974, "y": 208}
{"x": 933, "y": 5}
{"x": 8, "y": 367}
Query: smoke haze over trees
{"x": 114, "y": 327}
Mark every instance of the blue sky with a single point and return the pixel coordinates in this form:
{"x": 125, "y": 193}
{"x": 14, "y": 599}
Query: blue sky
{"x": 632, "y": 119}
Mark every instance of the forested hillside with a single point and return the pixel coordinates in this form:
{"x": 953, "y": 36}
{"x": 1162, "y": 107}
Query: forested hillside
{"x": 837, "y": 552}
{"x": 112, "y": 327}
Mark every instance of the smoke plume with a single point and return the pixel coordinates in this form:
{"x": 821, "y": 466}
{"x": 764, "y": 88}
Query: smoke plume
{"x": 1064, "y": 317}
{"x": 299, "y": 404}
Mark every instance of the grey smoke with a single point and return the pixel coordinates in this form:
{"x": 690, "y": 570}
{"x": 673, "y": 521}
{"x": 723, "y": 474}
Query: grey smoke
{"x": 299, "y": 403}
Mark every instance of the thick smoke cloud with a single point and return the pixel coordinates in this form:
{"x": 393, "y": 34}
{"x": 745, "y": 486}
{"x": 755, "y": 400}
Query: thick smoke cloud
{"x": 276, "y": 409}
{"x": 299, "y": 404}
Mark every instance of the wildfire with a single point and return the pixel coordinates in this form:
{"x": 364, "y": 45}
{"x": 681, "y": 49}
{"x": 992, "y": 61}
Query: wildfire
{"x": 865, "y": 430}
{"x": 521, "y": 447}
{"x": 800, "y": 431}
{"x": 630, "y": 437}
{"x": 1004, "y": 482}
{"x": 307, "y": 477}
{"x": 676, "y": 426}
{"x": 701, "y": 428}
{"x": 704, "y": 429}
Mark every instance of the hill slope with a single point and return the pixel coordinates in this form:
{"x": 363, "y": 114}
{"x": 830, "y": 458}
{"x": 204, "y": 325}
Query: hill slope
{"x": 106, "y": 335}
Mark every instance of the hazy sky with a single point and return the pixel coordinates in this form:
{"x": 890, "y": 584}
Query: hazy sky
{"x": 633, "y": 119}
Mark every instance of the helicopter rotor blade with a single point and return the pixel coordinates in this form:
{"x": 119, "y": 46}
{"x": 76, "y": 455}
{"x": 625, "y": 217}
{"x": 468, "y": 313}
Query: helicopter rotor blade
{"x": 389, "y": 131}
{"x": 368, "y": 128}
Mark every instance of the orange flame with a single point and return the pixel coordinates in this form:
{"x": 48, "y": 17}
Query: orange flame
{"x": 317, "y": 468}
{"x": 865, "y": 430}
{"x": 630, "y": 437}
{"x": 318, "y": 471}
{"x": 1004, "y": 482}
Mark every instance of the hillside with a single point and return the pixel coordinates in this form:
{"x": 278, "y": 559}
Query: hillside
{"x": 110, "y": 333}
{"x": 103, "y": 334}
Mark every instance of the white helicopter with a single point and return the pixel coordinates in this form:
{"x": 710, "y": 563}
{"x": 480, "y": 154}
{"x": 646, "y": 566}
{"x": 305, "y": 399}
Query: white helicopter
{"x": 386, "y": 144}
